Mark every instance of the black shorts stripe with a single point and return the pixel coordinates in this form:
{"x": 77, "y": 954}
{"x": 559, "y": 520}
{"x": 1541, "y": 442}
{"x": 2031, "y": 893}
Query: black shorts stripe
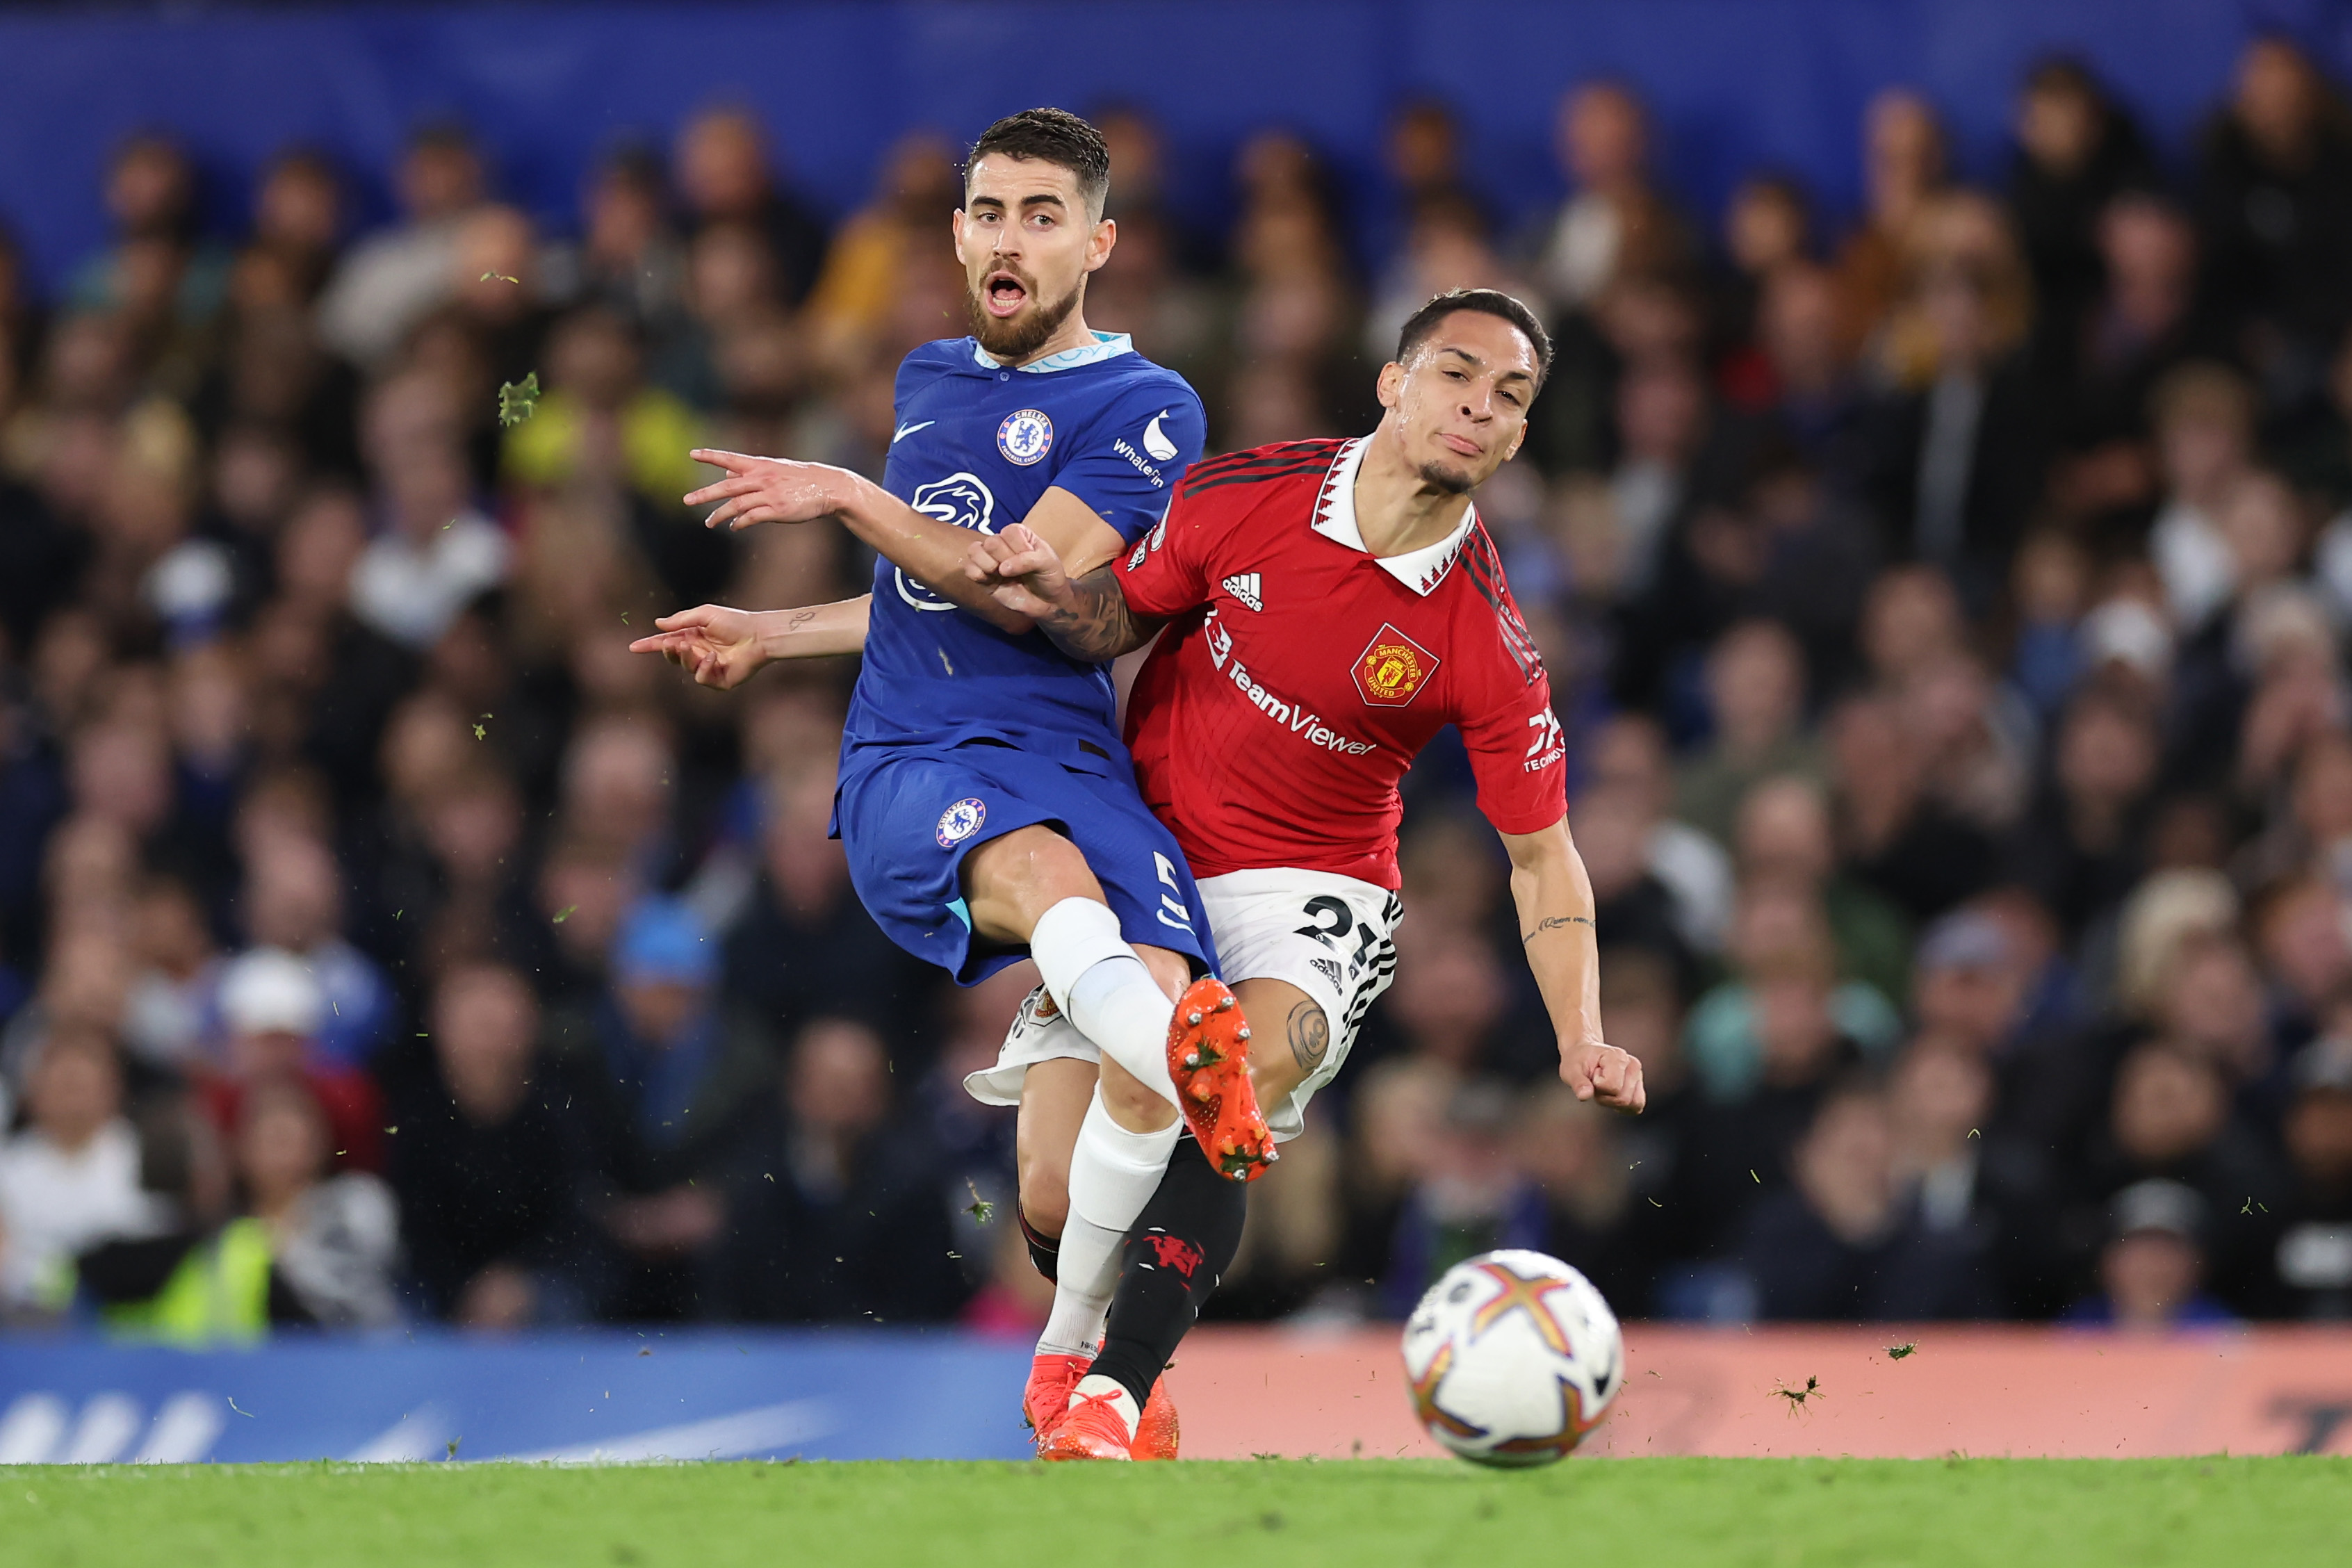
{"x": 1378, "y": 971}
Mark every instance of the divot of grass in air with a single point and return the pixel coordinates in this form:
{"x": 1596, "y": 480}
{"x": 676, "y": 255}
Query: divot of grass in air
{"x": 1796, "y": 1397}
{"x": 518, "y": 400}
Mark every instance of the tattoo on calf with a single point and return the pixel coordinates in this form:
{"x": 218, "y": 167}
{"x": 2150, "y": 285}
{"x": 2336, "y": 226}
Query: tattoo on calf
{"x": 1310, "y": 1035}
{"x": 1553, "y": 922}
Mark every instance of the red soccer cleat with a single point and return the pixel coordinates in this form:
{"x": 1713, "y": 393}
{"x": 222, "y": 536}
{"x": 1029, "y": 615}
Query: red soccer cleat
{"x": 1155, "y": 1434}
{"x": 1093, "y": 1429}
{"x": 1208, "y": 1057}
{"x": 1047, "y": 1397}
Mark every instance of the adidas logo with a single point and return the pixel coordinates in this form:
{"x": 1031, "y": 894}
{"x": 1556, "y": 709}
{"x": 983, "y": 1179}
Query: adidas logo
{"x": 1244, "y": 586}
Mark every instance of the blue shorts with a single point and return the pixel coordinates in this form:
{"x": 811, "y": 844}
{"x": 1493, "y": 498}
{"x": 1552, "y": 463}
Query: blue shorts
{"x": 907, "y": 816}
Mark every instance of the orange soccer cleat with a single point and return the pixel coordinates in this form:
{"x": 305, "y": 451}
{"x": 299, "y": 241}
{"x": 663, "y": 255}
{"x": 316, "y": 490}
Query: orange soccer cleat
{"x": 1208, "y": 1057}
{"x": 1047, "y": 1397}
{"x": 1155, "y": 1433}
{"x": 1092, "y": 1429}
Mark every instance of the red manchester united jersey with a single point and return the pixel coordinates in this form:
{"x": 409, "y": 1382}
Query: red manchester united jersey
{"x": 1300, "y": 674}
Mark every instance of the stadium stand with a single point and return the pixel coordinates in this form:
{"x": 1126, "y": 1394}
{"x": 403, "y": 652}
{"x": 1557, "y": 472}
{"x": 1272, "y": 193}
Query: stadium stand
{"x": 1938, "y": 527}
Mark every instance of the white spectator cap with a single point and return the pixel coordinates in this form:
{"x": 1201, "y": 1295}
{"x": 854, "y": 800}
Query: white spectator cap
{"x": 268, "y": 991}
{"x": 2131, "y": 632}
{"x": 2158, "y": 1205}
{"x": 192, "y": 581}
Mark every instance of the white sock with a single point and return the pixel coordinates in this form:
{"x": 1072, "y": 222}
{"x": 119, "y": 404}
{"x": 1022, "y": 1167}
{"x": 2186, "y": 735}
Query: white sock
{"x": 1121, "y": 1400}
{"x": 1081, "y": 1292}
{"x": 1113, "y": 1174}
{"x": 1105, "y": 988}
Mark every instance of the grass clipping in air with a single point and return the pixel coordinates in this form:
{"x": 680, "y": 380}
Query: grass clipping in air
{"x": 2000, "y": 1513}
{"x": 518, "y": 400}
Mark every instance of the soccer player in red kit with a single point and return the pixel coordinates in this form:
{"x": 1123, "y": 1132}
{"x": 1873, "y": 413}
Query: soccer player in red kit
{"x": 1323, "y": 608}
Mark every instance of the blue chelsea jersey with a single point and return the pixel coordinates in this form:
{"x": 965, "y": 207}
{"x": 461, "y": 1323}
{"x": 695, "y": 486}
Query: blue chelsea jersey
{"x": 977, "y": 443}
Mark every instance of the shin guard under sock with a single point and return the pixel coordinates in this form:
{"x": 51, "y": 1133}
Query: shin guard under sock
{"x": 1105, "y": 988}
{"x": 1114, "y": 1171}
{"x": 1180, "y": 1247}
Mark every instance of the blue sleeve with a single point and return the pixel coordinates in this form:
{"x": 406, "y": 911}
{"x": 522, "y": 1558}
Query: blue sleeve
{"x": 912, "y": 373}
{"x": 1128, "y": 467}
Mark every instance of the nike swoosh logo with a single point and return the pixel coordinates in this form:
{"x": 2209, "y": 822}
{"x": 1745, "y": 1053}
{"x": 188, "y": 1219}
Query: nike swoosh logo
{"x": 905, "y": 430}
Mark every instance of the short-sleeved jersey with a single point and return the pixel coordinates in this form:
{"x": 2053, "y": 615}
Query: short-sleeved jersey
{"x": 977, "y": 444}
{"x": 1300, "y": 674}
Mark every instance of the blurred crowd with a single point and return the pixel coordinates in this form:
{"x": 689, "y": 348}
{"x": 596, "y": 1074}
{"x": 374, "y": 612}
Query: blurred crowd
{"x": 1946, "y": 608}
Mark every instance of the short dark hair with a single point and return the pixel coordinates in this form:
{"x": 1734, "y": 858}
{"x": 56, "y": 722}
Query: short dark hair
{"x": 442, "y": 135}
{"x": 1486, "y": 301}
{"x": 2066, "y": 73}
{"x": 1051, "y": 136}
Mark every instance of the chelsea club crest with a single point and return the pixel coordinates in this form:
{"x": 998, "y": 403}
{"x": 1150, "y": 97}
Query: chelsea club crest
{"x": 961, "y": 821}
{"x": 1025, "y": 437}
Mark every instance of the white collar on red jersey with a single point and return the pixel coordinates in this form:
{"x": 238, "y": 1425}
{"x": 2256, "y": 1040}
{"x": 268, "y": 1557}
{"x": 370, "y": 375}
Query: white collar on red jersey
{"x": 1335, "y": 518}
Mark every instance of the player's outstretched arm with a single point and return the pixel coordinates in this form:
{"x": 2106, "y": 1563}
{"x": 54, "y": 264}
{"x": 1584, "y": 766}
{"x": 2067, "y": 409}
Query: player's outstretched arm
{"x": 1555, "y": 901}
{"x": 723, "y": 647}
{"x": 1088, "y": 616}
{"x": 777, "y": 489}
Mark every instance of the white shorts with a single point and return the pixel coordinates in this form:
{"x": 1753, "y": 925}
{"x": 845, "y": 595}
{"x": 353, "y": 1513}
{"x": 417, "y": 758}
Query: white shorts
{"x": 1331, "y": 936}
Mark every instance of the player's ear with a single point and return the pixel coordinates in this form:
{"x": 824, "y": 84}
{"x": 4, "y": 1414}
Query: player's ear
{"x": 955, "y": 227}
{"x": 1390, "y": 388}
{"x": 1099, "y": 244}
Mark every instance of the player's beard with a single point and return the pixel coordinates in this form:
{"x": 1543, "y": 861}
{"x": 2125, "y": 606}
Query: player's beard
{"x": 1452, "y": 481}
{"x": 1014, "y": 338}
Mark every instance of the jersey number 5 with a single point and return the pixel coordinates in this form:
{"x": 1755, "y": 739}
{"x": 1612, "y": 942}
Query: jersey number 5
{"x": 1172, "y": 911}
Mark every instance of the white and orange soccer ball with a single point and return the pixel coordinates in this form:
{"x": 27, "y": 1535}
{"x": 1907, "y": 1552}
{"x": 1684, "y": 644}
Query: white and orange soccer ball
{"x": 1512, "y": 1357}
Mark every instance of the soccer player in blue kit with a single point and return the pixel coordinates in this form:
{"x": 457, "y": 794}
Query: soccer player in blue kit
{"x": 986, "y": 800}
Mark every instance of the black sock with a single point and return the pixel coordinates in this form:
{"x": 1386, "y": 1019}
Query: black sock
{"x": 1045, "y": 1251}
{"x": 1180, "y": 1248}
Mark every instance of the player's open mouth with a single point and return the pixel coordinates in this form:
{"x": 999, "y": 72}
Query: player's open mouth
{"x": 1004, "y": 294}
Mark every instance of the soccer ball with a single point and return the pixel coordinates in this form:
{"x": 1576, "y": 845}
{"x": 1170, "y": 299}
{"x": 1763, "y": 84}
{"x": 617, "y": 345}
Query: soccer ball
{"x": 1512, "y": 1358}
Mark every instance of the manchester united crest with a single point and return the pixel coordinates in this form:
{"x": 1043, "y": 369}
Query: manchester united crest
{"x": 1393, "y": 669}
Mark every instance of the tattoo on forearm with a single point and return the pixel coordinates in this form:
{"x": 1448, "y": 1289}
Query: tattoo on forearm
{"x": 1099, "y": 626}
{"x": 1310, "y": 1035}
{"x": 799, "y": 620}
{"x": 1553, "y": 922}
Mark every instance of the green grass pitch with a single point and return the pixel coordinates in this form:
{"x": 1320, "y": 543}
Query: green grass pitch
{"x": 2224, "y": 1512}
